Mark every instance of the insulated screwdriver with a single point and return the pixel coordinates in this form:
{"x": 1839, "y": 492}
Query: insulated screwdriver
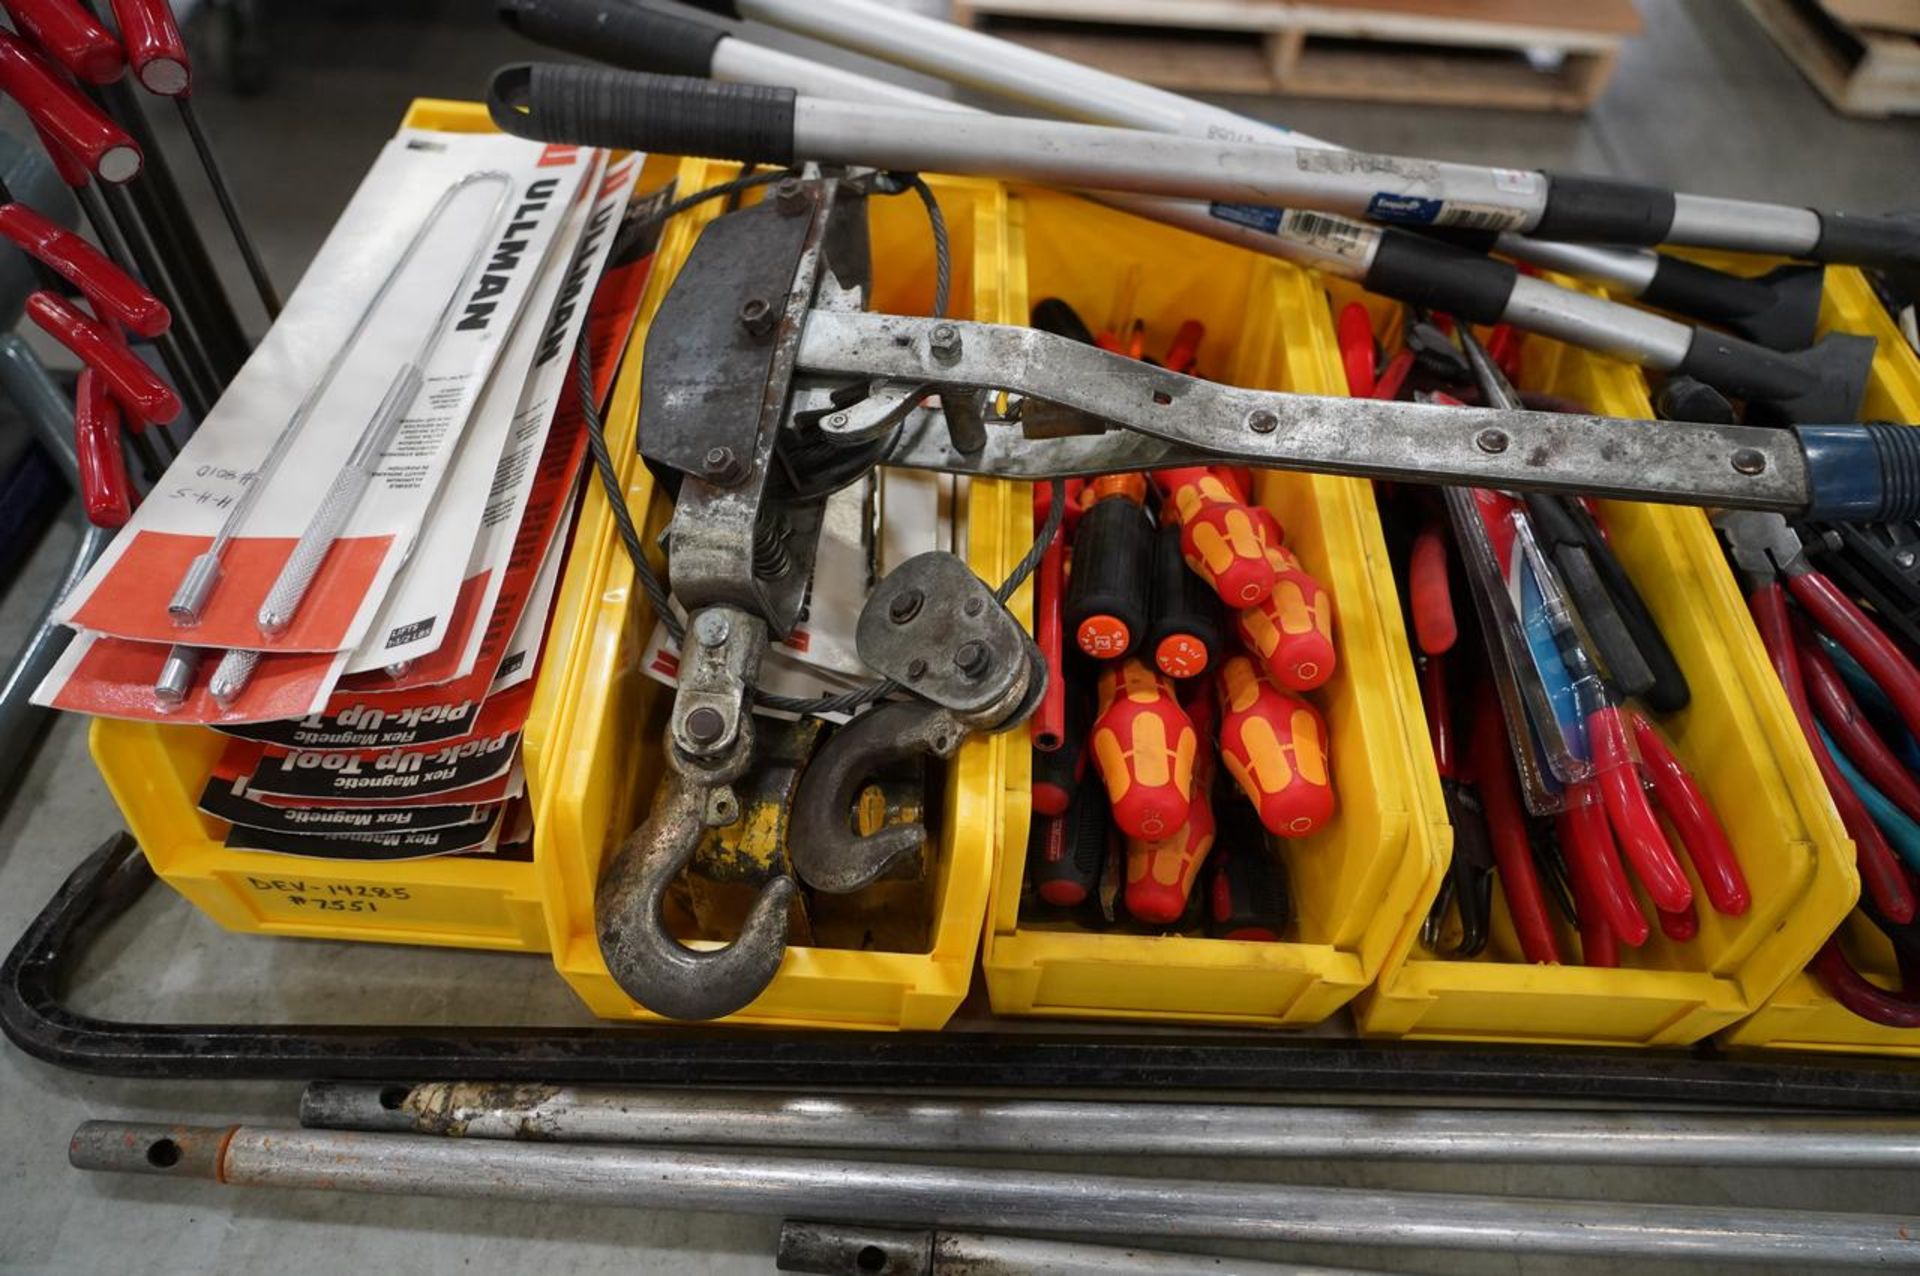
{"x": 1057, "y": 773}
{"x": 1049, "y": 726}
{"x": 1107, "y": 592}
{"x": 1185, "y": 635}
{"x": 1217, "y": 533}
{"x": 1274, "y": 745}
{"x": 1161, "y": 871}
{"x": 1143, "y": 745}
{"x": 1065, "y": 853}
{"x": 1246, "y": 887}
{"x": 1291, "y": 629}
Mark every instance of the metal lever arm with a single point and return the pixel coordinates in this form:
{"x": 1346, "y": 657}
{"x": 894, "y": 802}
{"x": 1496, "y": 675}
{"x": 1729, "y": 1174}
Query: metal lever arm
{"x": 1870, "y": 472}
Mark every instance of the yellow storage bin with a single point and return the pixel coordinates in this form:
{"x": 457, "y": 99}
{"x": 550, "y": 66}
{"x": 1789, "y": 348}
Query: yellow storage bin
{"x": 156, "y": 774}
{"x": 1801, "y": 1016}
{"x": 608, "y": 715}
{"x": 1740, "y": 740}
{"x": 1362, "y": 883}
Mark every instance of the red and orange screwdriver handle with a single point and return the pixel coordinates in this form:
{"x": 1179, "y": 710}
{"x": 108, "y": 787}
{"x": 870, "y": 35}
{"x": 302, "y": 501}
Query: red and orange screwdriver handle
{"x": 1291, "y": 629}
{"x": 1144, "y": 746}
{"x": 1275, "y": 747}
{"x": 1217, "y": 532}
{"x": 1161, "y": 871}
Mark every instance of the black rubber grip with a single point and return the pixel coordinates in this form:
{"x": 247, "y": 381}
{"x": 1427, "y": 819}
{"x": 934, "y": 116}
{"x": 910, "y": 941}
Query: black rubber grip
{"x": 1425, "y": 272}
{"x": 1247, "y": 890}
{"x": 1778, "y": 310}
{"x": 665, "y": 114}
{"x": 1185, "y": 635}
{"x": 1051, "y": 314}
{"x": 1821, "y": 384}
{"x": 1589, "y": 209}
{"x": 1066, "y": 853}
{"x": 725, "y": 8}
{"x": 1106, "y": 608}
{"x": 1684, "y": 398}
{"x": 619, "y": 34}
{"x": 1856, "y": 239}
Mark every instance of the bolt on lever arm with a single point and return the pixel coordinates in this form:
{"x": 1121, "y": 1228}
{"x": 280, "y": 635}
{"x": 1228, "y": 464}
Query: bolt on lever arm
{"x": 1861, "y": 473}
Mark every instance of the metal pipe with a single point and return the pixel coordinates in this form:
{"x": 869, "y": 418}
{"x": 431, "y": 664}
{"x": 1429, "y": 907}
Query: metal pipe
{"x": 1049, "y": 1127}
{"x": 1022, "y": 1200}
{"x": 850, "y": 1249}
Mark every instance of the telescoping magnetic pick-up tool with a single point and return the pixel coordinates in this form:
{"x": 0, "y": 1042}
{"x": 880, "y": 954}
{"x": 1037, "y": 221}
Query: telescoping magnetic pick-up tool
{"x": 768, "y": 385}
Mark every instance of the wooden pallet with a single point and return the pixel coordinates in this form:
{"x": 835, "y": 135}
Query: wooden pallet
{"x": 1860, "y": 71}
{"x": 1553, "y": 55}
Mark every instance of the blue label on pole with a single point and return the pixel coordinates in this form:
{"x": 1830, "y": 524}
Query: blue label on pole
{"x": 1252, "y": 216}
{"x": 1404, "y": 208}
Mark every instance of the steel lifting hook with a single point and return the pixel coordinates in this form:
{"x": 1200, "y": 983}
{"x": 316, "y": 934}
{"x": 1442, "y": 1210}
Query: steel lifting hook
{"x": 709, "y": 745}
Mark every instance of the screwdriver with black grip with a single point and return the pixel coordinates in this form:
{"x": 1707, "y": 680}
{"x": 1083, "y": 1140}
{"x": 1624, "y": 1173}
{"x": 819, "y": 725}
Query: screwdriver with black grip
{"x": 1186, "y": 632}
{"x": 1065, "y": 853}
{"x": 1246, "y": 881}
{"x": 1107, "y": 601}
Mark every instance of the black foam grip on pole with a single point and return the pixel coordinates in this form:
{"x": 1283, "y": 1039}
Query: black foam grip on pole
{"x": 1425, "y": 272}
{"x": 1597, "y": 209}
{"x": 619, "y": 34}
{"x": 725, "y": 8}
{"x": 1823, "y": 383}
{"x": 1865, "y": 240}
{"x": 666, "y": 114}
{"x": 1778, "y": 310}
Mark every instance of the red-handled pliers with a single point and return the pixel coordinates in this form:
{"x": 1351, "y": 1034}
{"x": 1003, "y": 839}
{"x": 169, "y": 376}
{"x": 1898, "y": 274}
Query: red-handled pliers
{"x": 1490, "y": 767}
{"x": 1895, "y": 1008}
{"x": 1773, "y": 566}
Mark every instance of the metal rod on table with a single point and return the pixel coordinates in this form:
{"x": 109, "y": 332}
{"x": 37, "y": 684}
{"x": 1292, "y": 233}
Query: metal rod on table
{"x": 1045, "y": 1202}
{"x": 1047, "y": 1127}
{"x": 855, "y": 1249}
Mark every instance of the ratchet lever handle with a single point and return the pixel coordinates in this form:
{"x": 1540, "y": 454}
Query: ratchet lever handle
{"x": 105, "y": 491}
{"x": 69, "y": 35}
{"x": 621, "y": 35}
{"x": 673, "y": 115}
{"x": 138, "y": 388}
{"x": 1861, "y": 473}
{"x": 61, "y": 114}
{"x": 154, "y": 46}
{"x": 113, "y": 293}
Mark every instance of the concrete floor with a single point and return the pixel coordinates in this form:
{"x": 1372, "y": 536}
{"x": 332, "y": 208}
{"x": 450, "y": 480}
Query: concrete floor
{"x": 1703, "y": 100}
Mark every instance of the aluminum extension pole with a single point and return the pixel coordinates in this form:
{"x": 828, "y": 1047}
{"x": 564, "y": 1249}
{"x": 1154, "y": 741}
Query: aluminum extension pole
{"x": 1047, "y": 1127}
{"x": 850, "y": 1249}
{"x": 954, "y": 1196}
{"x": 593, "y": 105}
{"x": 1633, "y": 214}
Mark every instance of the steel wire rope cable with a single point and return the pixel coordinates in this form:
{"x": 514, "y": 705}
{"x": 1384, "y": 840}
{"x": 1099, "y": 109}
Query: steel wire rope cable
{"x": 610, "y": 485}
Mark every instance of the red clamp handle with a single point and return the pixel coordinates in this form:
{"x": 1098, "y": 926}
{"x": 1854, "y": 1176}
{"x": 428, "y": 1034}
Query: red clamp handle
{"x": 104, "y": 489}
{"x": 69, "y": 35}
{"x": 113, "y": 293}
{"x": 1490, "y": 763}
{"x": 138, "y": 388}
{"x": 154, "y": 46}
{"x": 1634, "y": 824}
{"x": 59, "y": 112}
{"x": 1701, "y": 832}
